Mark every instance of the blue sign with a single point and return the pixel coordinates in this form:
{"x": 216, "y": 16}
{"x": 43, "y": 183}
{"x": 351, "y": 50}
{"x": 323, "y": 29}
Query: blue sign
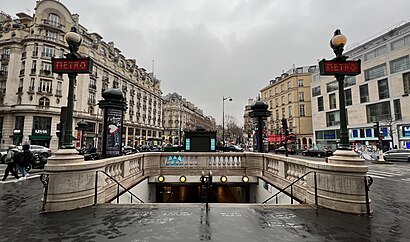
{"x": 187, "y": 144}
{"x": 408, "y": 145}
{"x": 406, "y": 131}
{"x": 212, "y": 144}
{"x": 330, "y": 136}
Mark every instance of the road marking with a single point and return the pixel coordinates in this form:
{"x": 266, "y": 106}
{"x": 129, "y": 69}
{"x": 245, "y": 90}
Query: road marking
{"x": 406, "y": 179}
{"x": 15, "y": 180}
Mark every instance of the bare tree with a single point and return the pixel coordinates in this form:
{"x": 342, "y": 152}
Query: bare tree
{"x": 390, "y": 121}
{"x": 232, "y": 130}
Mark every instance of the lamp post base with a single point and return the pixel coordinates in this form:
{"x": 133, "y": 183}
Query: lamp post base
{"x": 347, "y": 157}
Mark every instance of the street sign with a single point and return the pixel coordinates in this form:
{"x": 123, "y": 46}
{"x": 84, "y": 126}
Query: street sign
{"x": 63, "y": 65}
{"x": 347, "y": 68}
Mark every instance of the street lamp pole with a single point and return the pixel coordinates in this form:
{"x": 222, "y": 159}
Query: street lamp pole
{"x": 339, "y": 67}
{"x": 74, "y": 41}
{"x": 223, "y": 119}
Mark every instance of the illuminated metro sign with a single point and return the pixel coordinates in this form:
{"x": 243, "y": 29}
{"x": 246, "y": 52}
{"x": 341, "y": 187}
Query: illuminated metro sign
{"x": 63, "y": 65}
{"x": 347, "y": 68}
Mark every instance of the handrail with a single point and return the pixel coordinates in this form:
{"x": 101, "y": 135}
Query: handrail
{"x": 291, "y": 186}
{"x": 118, "y": 188}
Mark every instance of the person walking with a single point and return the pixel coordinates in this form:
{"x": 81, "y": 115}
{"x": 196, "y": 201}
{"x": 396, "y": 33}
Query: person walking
{"x": 24, "y": 160}
{"x": 11, "y": 163}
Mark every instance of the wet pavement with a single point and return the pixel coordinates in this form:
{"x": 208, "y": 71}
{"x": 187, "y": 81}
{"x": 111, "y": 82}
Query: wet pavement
{"x": 20, "y": 218}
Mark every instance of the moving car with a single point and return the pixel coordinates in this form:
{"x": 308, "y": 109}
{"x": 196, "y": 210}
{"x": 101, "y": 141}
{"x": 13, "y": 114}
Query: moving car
{"x": 281, "y": 150}
{"x": 126, "y": 150}
{"x": 235, "y": 148}
{"x": 317, "y": 152}
{"x": 38, "y": 149}
{"x": 397, "y": 155}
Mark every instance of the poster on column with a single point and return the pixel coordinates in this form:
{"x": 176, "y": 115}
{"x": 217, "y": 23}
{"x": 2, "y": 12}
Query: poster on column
{"x": 113, "y": 134}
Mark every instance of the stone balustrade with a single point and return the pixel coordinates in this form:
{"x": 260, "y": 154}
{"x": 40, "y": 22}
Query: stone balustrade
{"x": 340, "y": 185}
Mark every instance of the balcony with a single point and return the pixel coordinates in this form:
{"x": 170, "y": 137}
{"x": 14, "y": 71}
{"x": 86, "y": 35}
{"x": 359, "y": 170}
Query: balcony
{"x": 30, "y": 90}
{"x": 22, "y": 72}
{"x": 91, "y": 101}
{"x": 92, "y": 87}
{"x": 23, "y": 55}
{"x": 33, "y": 71}
{"x": 3, "y": 74}
{"x": 52, "y": 24}
{"x": 35, "y": 53}
{"x": 45, "y": 91}
{"x": 47, "y": 55}
{"x": 46, "y": 73}
{"x": 59, "y": 93}
{"x": 5, "y": 57}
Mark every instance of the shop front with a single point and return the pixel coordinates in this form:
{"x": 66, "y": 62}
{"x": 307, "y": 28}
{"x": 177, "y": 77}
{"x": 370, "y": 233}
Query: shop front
{"x": 40, "y": 137}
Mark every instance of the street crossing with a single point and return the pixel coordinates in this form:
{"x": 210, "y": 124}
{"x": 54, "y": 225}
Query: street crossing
{"x": 383, "y": 174}
{"x": 32, "y": 174}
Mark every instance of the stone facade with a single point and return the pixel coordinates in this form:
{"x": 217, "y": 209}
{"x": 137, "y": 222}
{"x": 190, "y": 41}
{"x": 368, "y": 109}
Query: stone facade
{"x": 181, "y": 115}
{"x": 288, "y": 96}
{"x": 31, "y": 96}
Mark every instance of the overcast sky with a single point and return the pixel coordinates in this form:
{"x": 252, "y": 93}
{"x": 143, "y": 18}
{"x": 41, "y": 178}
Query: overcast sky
{"x": 205, "y": 49}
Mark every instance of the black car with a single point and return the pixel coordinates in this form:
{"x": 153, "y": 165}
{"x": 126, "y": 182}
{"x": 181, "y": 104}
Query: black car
{"x": 281, "y": 150}
{"x": 397, "y": 155}
{"x": 234, "y": 148}
{"x": 126, "y": 150}
{"x": 317, "y": 152}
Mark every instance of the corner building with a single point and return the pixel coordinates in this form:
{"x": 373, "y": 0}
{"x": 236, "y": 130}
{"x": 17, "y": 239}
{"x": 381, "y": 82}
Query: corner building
{"x": 288, "y": 97}
{"x": 379, "y": 94}
{"x": 31, "y": 96}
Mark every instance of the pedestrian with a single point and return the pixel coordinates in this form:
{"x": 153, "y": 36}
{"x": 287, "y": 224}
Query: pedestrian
{"x": 24, "y": 160}
{"x": 11, "y": 163}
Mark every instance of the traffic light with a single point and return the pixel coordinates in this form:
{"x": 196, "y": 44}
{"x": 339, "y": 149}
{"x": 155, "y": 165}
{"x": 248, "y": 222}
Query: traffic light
{"x": 285, "y": 127}
{"x": 376, "y": 128}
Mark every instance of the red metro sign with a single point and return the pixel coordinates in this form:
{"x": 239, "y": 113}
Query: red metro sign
{"x": 62, "y": 65}
{"x": 347, "y": 68}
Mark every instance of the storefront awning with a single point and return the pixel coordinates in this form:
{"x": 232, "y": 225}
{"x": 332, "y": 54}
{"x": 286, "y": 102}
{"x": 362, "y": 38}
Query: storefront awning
{"x": 40, "y": 137}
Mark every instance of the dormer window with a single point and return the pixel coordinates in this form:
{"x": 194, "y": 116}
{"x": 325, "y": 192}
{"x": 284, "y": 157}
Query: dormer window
{"x": 54, "y": 20}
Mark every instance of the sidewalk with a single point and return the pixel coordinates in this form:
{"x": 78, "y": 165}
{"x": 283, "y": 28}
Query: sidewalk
{"x": 21, "y": 204}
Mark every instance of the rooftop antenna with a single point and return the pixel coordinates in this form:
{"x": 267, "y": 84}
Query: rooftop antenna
{"x": 153, "y": 63}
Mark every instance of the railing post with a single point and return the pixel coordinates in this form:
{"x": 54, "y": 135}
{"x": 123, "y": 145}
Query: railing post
{"x": 366, "y": 188}
{"x": 96, "y": 188}
{"x": 316, "y": 204}
{"x": 118, "y": 193}
{"x": 276, "y": 199}
{"x": 291, "y": 194}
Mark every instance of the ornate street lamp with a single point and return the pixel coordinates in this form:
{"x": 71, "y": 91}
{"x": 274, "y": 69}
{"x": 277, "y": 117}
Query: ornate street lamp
{"x": 340, "y": 67}
{"x": 74, "y": 41}
{"x": 223, "y": 119}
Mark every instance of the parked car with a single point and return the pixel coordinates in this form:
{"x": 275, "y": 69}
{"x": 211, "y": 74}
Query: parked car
{"x": 126, "y": 150}
{"x": 281, "y": 150}
{"x": 38, "y": 149}
{"x": 397, "y": 155}
{"x": 317, "y": 152}
{"x": 234, "y": 148}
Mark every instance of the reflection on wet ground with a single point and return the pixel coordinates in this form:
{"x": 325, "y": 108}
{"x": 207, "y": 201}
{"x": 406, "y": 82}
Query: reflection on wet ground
{"x": 21, "y": 220}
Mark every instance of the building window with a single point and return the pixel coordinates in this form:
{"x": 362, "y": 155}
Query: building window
{"x": 375, "y": 72}
{"x": 316, "y": 91}
{"x": 348, "y": 97}
{"x": 283, "y": 100}
{"x": 378, "y": 112}
{"x": 54, "y": 20}
{"x": 399, "y": 64}
{"x": 282, "y": 88}
{"x": 283, "y": 112}
{"x": 49, "y": 51}
{"x": 42, "y": 123}
{"x": 332, "y": 86}
{"x": 406, "y": 83}
{"x": 364, "y": 93}
{"x": 332, "y": 101}
{"x": 289, "y": 85}
{"x": 375, "y": 53}
{"x": 51, "y": 35}
{"x": 102, "y": 52}
{"x": 289, "y": 97}
{"x": 44, "y": 102}
{"x": 383, "y": 89}
{"x": 320, "y": 106}
{"x": 397, "y": 109}
{"x": 301, "y": 96}
{"x": 300, "y": 83}
{"x": 45, "y": 86}
{"x": 302, "y": 110}
{"x": 400, "y": 43}
{"x": 277, "y": 114}
{"x": 332, "y": 118}
{"x": 290, "y": 111}
{"x": 46, "y": 66}
{"x": 349, "y": 81}
{"x": 276, "y": 90}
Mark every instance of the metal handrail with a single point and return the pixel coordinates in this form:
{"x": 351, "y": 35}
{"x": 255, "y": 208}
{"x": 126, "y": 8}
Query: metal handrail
{"x": 118, "y": 188}
{"x": 291, "y": 189}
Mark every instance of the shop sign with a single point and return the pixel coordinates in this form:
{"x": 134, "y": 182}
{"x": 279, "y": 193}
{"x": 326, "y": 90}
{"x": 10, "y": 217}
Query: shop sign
{"x": 40, "y": 131}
